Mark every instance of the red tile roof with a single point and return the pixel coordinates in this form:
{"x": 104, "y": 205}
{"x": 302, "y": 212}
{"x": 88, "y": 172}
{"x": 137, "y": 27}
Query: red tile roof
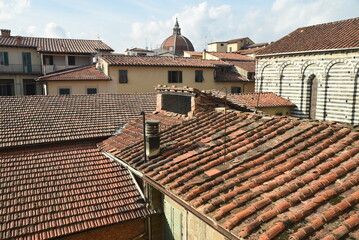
{"x": 48, "y": 192}
{"x": 88, "y": 73}
{"x": 259, "y": 177}
{"x": 156, "y": 61}
{"x": 56, "y": 45}
{"x": 268, "y": 99}
{"x": 250, "y": 50}
{"x": 193, "y": 53}
{"x": 42, "y": 119}
{"x": 248, "y": 66}
{"x": 231, "y": 56}
{"x": 229, "y": 77}
{"x": 328, "y": 36}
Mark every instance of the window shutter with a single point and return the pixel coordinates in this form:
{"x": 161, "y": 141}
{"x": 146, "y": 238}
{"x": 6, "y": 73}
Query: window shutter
{"x": 6, "y": 59}
{"x": 169, "y": 76}
{"x": 51, "y": 60}
{"x": 180, "y": 77}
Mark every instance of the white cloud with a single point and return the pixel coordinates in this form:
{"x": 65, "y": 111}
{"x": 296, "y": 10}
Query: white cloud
{"x": 52, "y": 30}
{"x": 201, "y": 23}
{"x": 10, "y": 8}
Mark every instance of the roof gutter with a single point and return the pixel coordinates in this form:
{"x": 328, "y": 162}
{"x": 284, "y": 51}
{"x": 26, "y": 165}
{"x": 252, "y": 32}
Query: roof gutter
{"x": 311, "y": 51}
{"x": 172, "y": 196}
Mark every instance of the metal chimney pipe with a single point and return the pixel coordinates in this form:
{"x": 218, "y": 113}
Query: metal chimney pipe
{"x": 152, "y": 138}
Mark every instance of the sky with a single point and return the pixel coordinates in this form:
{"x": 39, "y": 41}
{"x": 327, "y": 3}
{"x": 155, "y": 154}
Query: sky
{"x": 126, "y": 24}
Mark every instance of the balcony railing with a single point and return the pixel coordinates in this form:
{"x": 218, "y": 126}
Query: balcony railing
{"x": 19, "y": 68}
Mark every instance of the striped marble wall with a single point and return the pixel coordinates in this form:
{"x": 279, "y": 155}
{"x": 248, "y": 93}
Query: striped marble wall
{"x": 338, "y": 79}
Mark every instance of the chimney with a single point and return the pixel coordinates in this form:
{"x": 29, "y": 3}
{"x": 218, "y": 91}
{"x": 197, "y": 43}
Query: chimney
{"x": 152, "y": 138}
{"x": 5, "y": 32}
{"x": 18, "y": 40}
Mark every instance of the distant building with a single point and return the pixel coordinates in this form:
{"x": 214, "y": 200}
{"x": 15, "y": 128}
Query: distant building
{"x": 22, "y": 59}
{"x": 139, "y": 52}
{"x": 230, "y": 45}
{"x": 316, "y": 68}
{"x": 177, "y": 43}
{"x": 116, "y": 73}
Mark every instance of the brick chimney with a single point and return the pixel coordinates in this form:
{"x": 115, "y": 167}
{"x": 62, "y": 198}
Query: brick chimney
{"x": 5, "y": 32}
{"x": 18, "y": 40}
{"x": 152, "y": 138}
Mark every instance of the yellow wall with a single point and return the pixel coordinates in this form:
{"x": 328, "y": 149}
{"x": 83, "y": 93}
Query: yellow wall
{"x": 15, "y": 55}
{"x": 274, "y": 110}
{"x": 193, "y": 227}
{"x": 145, "y": 79}
{"x": 216, "y": 47}
{"x": 80, "y": 87}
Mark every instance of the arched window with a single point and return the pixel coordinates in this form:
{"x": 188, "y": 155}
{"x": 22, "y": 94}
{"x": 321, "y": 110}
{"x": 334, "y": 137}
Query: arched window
{"x": 313, "y": 89}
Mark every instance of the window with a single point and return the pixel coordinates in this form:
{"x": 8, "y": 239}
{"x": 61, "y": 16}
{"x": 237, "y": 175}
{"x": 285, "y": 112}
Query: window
{"x": 71, "y": 60}
{"x": 174, "y": 76}
{"x": 91, "y": 90}
{"x": 64, "y": 91}
{"x": 313, "y": 88}
{"x": 7, "y": 87}
{"x": 222, "y": 44}
{"x": 48, "y": 60}
{"x": 29, "y": 87}
{"x": 4, "y": 59}
{"x": 173, "y": 222}
{"x": 279, "y": 114}
{"x": 230, "y": 49}
{"x": 236, "y": 89}
{"x": 26, "y": 62}
{"x": 250, "y": 75}
{"x": 199, "y": 76}
{"x": 123, "y": 76}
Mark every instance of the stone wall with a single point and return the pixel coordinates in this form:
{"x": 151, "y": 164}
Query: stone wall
{"x": 290, "y": 76}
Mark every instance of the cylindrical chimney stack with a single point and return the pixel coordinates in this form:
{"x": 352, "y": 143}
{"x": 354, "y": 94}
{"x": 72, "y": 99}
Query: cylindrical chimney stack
{"x": 152, "y": 138}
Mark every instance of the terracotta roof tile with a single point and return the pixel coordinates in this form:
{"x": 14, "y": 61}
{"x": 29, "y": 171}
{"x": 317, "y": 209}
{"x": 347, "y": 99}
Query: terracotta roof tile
{"x": 31, "y": 120}
{"x": 231, "y": 56}
{"x": 88, "y": 73}
{"x": 48, "y": 192}
{"x": 249, "y": 66}
{"x": 229, "y": 77}
{"x": 56, "y": 45}
{"x": 328, "y": 36}
{"x": 156, "y": 61}
{"x": 268, "y": 99}
{"x": 259, "y": 177}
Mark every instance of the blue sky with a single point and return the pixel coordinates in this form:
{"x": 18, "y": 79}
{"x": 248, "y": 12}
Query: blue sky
{"x": 136, "y": 23}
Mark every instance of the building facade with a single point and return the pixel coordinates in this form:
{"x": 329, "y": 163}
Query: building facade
{"x": 22, "y": 59}
{"x": 319, "y": 75}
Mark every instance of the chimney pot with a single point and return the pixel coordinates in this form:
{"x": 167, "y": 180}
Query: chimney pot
{"x": 18, "y": 40}
{"x": 152, "y": 138}
{"x": 5, "y": 32}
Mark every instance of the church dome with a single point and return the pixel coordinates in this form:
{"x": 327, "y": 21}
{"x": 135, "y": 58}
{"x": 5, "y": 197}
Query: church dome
{"x": 177, "y": 43}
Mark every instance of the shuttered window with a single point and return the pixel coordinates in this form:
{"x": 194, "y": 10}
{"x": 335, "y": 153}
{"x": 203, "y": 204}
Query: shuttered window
{"x": 4, "y": 59}
{"x": 174, "y": 76}
{"x": 123, "y": 76}
{"x": 173, "y": 223}
{"x": 199, "y": 76}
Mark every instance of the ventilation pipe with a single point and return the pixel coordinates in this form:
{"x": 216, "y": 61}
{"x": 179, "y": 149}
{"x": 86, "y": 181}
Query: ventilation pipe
{"x": 152, "y": 138}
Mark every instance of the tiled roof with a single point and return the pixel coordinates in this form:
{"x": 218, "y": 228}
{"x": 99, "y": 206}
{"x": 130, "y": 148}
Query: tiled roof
{"x": 333, "y": 35}
{"x": 42, "y": 119}
{"x": 193, "y": 53}
{"x": 230, "y": 56}
{"x": 56, "y": 45}
{"x": 229, "y": 77}
{"x": 88, "y": 73}
{"x": 49, "y": 192}
{"x": 155, "y": 61}
{"x": 259, "y": 177}
{"x": 250, "y": 50}
{"x": 236, "y": 40}
{"x": 268, "y": 99}
{"x": 249, "y": 66}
